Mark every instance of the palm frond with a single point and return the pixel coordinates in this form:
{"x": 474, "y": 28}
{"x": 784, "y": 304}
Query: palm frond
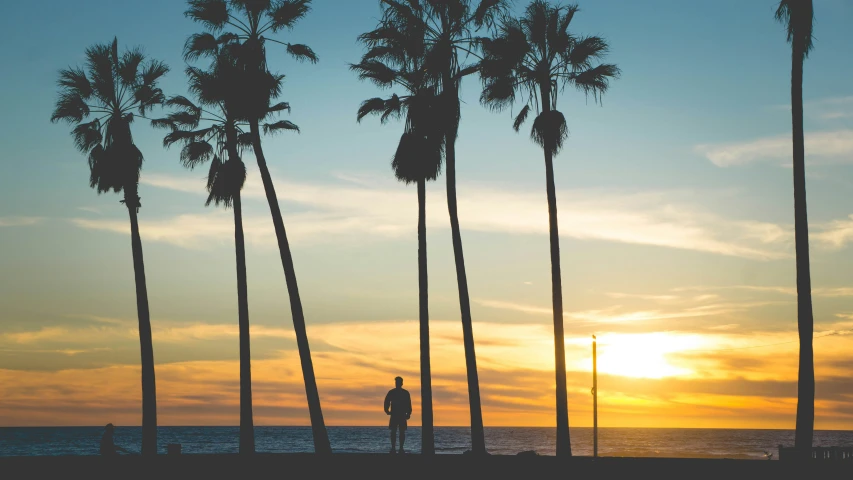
{"x": 206, "y": 86}
{"x": 285, "y": 13}
{"x": 99, "y": 66}
{"x": 253, "y": 8}
{"x": 185, "y": 119}
{"x": 163, "y": 123}
{"x": 147, "y": 97}
{"x": 386, "y": 35}
{"x": 393, "y": 109}
{"x": 74, "y": 80}
{"x": 371, "y": 106}
{"x": 280, "y": 126}
{"x": 244, "y": 140}
{"x": 213, "y": 14}
{"x": 184, "y": 103}
{"x": 70, "y": 107}
{"x": 535, "y": 23}
{"x": 385, "y": 52}
{"x": 520, "y": 118}
{"x": 377, "y": 72}
{"x": 302, "y": 52}
{"x": 498, "y": 92}
{"x": 128, "y": 66}
{"x": 195, "y": 153}
{"x": 186, "y": 136}
{"x": 596, "y": 80}
{"x": 200, "y": 45}
{"x": 152, "y": 72}
{"x": 87, "y": 136}
{"x": 279, "y": 107}
{"x": 585, "y": 49}
{"x": 404, "y": 14}
{"x": 114, "y": 52}
{"x": 798, "y": 18}
{"x": 487, "y": 12}
{"x": 567, "y": 17}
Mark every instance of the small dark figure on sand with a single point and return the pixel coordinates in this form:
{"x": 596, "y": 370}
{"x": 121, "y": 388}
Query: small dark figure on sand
{"x": 108, "y": 447}
{"x": 398, "y": 404}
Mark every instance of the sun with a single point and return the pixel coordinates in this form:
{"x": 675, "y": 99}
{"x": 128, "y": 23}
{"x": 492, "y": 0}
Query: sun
{"x": 644, "y": 355}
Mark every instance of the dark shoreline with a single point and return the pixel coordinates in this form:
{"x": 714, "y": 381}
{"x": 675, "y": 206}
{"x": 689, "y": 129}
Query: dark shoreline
{"x": 406, "y": 467}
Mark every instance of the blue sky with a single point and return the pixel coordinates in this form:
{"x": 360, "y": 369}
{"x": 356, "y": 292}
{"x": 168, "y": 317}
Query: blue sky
{"x": 677, "y": 184}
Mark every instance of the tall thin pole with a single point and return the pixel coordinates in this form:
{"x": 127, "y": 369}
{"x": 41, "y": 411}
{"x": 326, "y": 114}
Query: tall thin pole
{"x": 594, "y": 401}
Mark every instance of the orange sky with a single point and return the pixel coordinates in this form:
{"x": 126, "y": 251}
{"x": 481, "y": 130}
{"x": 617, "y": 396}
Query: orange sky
{"x": 645, "y": 379}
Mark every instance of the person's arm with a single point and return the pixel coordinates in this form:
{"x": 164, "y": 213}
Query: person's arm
{"x": 408, "y": 405}
{"x": 388, "y": 403}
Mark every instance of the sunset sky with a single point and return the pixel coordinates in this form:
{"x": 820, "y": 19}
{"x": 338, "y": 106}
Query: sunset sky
{"x": 676, "y": 223}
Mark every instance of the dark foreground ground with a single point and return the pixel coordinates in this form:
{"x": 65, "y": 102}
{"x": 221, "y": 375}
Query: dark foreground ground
{"x": 407, "y": 467}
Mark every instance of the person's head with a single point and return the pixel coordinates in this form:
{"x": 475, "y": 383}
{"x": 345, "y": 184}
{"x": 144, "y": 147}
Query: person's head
{"x": 398, "y": 381}
{"x": 109, "y": 428}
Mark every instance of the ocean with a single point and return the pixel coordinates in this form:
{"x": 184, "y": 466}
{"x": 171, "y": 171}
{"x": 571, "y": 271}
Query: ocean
{"x": 636, "y": 442}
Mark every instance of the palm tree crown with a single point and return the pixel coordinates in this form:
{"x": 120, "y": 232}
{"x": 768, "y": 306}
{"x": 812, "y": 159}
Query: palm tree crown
{"x": 395, "y": 57}
{"x": 537, "y": 57}
{"x": 250, "y": 22}
{"x": 446, "y": 31}
{"x": 107, "y": 93}
{"x": 798, "y": 18}
{"x": 209, "y": 131}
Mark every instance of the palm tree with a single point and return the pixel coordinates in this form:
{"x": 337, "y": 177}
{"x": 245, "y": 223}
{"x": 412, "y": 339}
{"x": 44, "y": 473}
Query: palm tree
{"x": 536, "y": 56}
{"x": 398, "y": 60}
{"x": 798, "y": 17}
{"x": 448, "y": 28}
{"x": 254, "y": 89}
{"x": 209, "y": 132}
{"x": 100, "y": 100}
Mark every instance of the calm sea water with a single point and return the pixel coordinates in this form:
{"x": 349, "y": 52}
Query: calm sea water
{"x": 641, "y": 442}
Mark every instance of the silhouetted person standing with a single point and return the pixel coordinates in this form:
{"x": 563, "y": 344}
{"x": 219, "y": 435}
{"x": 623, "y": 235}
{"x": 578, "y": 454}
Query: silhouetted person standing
{"x": 398, "y": 404}
{"x": 108, "y": 446}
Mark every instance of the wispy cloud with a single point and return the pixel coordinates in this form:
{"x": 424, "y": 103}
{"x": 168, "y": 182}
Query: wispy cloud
{"x": 374, "y": 209}
{"x": 94, "y": 210}
{"x": 792, "y": 291}
{"x": 118, "y": 330}
{"x": 19, "y": 221}
{"x": 836, "y": 144}
{"x": 835, "y": 234}
{"x": 617, "y": 314}
{"x": 640, "y": 296}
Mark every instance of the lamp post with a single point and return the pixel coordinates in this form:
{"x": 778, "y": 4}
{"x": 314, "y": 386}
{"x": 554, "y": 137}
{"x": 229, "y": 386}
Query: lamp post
{"x": 594, "y": 401}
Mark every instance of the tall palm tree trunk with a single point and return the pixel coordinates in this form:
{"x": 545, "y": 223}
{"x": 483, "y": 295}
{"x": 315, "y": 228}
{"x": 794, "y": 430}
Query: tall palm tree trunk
{"x": 478, "y": 441}
{"x": 805, "y": 320}
{"x": 427, "y": 434}
{"x": 564, "y": 445}
{"x": 247, "y": 428}
{"x": 318, "y": 426}
{"x": 146, "y": 345}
